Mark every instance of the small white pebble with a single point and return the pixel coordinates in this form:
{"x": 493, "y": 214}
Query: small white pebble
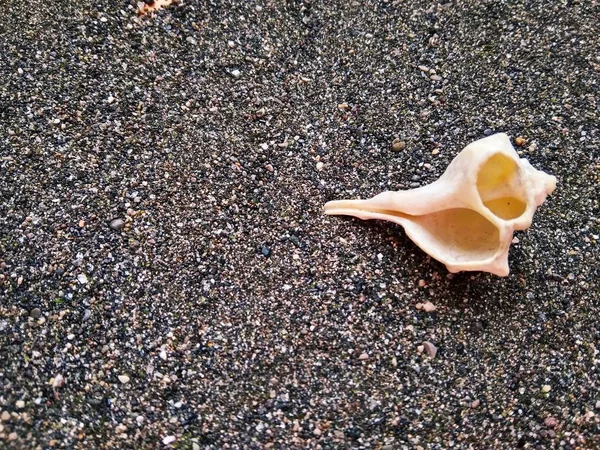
{"x": 363, "y": 356}
{"x": 123, "y": 378}
{"x": 82, "y": 278}
{"x": 169, "y": 440}
{"x": 163, "y": 355}
{"x": 264, "y": 146}
{"x": 103, "y": 19}
{"x": 236, "y": 73}
{"x": 320, "y": 165}
{"x": 429, "y": 307}
{"x": 20, "y": 404}
{"x": 58, "y": 381}
{"x": 546, "y": 388}
{"x": 20, "y": 71}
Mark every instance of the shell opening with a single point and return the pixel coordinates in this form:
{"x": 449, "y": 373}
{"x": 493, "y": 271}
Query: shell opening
{"x": 500, "y": 187}
{"x": 460, "y": 234}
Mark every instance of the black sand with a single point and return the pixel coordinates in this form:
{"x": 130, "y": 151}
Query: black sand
{"x": 224, "y": 310}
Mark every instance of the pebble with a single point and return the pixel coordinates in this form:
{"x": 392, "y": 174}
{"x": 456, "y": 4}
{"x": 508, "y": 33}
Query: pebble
{"x": 82, "y": 278}
{"x": 169, "y": 440}
{"x": 363, "y": 356}
{"x": 475, "y": 403}
{"x": 12, "y": 436}
{"x": 35, "y": 313}
{"x": 58, "y": 381}
{"x": 429, "y": 307}
{"x": 435, "y": 78}
{"x": 5, "y": 416}
{"x": 20, "y": 404}
{"x": 123, "y": 379}
{"x": 398, "y": 145}
{"x": 320, "y": 165}
{"x": 430, "y": 349}
{"x": 520, "y": 141}
{"x": 117, "y": 224}
{"x": 551, "y": 422}
{"x": 546, "y": 388}
{"x": 235, "y": 73}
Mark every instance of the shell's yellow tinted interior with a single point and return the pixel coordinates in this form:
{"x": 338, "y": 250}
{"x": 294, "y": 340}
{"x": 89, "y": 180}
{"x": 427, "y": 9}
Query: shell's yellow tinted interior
{"x": 462, "y": 234}
{"x": 500, "y": 188}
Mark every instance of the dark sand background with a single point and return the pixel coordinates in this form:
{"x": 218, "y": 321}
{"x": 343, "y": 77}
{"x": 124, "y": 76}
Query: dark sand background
{"x": 227, "y": 311}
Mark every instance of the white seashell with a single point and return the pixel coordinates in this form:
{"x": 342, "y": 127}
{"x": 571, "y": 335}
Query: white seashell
{"x": 466, "y": 218}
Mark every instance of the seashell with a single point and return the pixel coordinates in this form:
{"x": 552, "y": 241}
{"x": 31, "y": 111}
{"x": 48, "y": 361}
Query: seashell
{"x": 467, "y": 217}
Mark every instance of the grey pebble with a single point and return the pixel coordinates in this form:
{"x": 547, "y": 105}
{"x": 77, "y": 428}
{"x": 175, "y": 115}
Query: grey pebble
{"x": 430, "y": 349}
{"x": 117, "y": 224}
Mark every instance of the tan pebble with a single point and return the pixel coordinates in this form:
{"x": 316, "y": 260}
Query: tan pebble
{"x": 123, "y": 378}
{"x": 5, "y": 416}
{"x": 12, "y": 436}
{"x": 398, "y": 145}
{"x": 363, "y": 356}
{"x": 435, "y": 151}
{"x": 20, "y": 404}
{"x": 317, "y": 431}
{"x": 520, "y": 141}
{"x": 422, "y": 283}
{"x": 343, "y": 106}
{"x": 546, "y": 388}
{"x": 81, "y": 223}
{"x": 475, "y": 403}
